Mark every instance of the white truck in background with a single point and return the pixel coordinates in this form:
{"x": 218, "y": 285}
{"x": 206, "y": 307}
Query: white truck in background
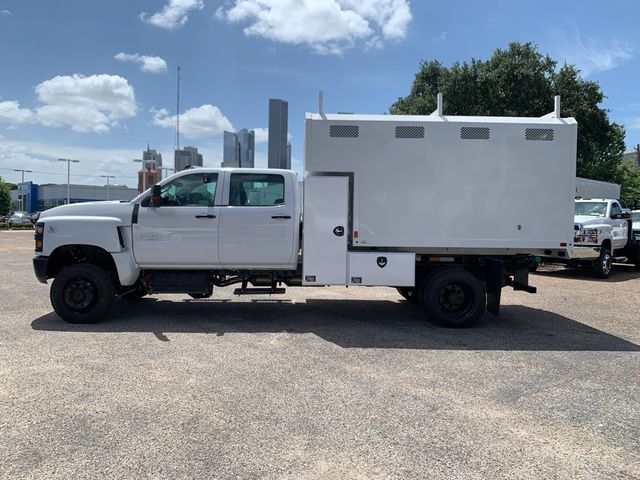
{"x": 445, "y": 208}
{"x": 603, "y": 235}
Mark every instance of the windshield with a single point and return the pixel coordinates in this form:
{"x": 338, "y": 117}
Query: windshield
{"x": 593, "y": 209}
{"x": 635, "y": 216}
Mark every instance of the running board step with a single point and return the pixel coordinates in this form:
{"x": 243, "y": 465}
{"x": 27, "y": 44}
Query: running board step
{"x": 258, "y": 291}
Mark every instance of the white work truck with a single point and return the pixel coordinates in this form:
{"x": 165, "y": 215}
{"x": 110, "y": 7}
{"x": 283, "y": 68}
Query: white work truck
{"x": 603, "y": 235}
{"x": 447, "y": 209}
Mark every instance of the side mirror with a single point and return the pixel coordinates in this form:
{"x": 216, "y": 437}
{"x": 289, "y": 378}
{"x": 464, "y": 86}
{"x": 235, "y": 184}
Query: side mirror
{"x": 155, "y": 200}
{"x": 626, "y": 215}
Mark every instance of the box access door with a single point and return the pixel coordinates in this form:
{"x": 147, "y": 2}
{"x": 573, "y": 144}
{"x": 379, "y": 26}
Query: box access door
{"x": 325, "y": 224}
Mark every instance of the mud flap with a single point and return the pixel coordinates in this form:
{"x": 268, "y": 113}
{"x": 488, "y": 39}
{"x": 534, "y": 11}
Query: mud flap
{"x": 493, "y": 274}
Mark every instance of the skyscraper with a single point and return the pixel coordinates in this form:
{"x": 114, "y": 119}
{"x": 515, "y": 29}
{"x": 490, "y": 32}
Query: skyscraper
{"x": 239, "y": 149}
{"x": 288, "y": 167}
{"x": 278, "y": 125}
{"x": 187, "y": 157}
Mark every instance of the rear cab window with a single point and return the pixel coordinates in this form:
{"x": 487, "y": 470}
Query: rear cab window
{"x": 256, "y": 190}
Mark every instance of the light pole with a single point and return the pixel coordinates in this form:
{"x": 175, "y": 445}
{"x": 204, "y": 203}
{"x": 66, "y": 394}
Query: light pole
{"x": 20, "y": 170}
{"x": 166, "y": 170}
{"x": 108, "y": 177}
{"x": 69, "y": 162}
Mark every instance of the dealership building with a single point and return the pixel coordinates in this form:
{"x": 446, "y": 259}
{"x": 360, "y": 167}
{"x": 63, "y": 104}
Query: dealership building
{"x": 31, "y": 197}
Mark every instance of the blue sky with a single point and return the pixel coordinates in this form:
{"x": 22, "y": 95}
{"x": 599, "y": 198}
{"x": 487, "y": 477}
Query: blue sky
{"x": 96, "y": 81}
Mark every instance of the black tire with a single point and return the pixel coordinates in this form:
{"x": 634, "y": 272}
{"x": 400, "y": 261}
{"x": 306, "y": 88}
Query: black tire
{"x": 82, "y": 293}
{"x": 453, "y": 298}
{"x": 410, "y": 294}
{"x": 603, "y": 266}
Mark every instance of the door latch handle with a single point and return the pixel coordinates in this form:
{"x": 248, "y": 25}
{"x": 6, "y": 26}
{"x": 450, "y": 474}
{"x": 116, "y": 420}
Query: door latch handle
{"x": 205, "y": 215}
{"x": 286, "y": 217}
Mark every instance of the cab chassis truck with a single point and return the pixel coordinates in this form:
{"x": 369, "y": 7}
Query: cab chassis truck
{"x": 447, "y": 209}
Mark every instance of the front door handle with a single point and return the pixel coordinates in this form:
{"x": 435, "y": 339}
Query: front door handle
{"x": 205, "y": 215}
{"x": 286, "y": 217}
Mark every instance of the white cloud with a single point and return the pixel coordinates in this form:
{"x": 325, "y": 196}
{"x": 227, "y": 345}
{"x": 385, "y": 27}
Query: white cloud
{"x": 11, "y": 113}
{"x": 174, "y": 14}
{"x": 5, "y": 12}
{"x": 261, "y": 134}
{"x": 592, "y": 56}
{"x": 200, "y": 122}
{"x": 86, "y": 104}
{"x": 147, "y": 63}
{"x": 329, "y": 26}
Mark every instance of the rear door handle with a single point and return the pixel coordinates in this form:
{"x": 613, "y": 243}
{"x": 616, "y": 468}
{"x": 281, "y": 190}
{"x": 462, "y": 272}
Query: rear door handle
{"x": 286, "y": 217}
{"x": 205, "y": 215}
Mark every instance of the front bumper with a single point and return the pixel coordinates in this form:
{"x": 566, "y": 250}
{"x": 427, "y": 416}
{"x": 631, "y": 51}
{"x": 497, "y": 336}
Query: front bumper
{"x": 40, "y": 268}
{"x": 585, "y": 252}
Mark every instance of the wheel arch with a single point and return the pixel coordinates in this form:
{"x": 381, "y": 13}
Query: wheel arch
{"x": 67, "y": 255}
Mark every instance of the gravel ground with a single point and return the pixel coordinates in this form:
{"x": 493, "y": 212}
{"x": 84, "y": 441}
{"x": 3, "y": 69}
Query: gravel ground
{"x": 321, "y": 383}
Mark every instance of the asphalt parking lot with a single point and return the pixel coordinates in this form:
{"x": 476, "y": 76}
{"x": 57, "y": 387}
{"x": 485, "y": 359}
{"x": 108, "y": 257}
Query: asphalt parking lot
{"x": 321, "y": 383}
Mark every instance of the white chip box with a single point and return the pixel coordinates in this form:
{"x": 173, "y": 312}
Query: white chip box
{"x": 382, "y": 268}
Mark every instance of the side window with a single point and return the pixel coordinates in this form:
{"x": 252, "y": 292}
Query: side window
{"x": 198, "y": 189}
{"x": 256, "y": 190}
{"x": 615, "y": 209}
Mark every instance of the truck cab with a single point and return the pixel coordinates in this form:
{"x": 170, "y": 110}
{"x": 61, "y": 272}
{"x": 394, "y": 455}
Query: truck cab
{"x": 219, "y": 218}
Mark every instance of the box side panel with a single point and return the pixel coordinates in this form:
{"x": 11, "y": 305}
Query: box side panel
{"x": 324, "y": 251}
{"x": 499, "y": 185}
{"x": 382, "y": 268}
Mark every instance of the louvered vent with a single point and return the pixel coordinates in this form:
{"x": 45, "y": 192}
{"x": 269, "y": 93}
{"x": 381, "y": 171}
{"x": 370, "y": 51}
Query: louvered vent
{"x": 409, "y": 132}
{"x": 474, "y": 133}
{"x": 344, "y": 131}
{"x": 543, "y": 134}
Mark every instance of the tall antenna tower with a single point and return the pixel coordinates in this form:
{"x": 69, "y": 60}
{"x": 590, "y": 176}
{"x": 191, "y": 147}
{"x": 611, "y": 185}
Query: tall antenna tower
{"x": 178, "y": 113}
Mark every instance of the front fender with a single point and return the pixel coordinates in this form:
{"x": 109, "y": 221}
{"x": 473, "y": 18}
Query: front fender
{"x": 96, "y": 231}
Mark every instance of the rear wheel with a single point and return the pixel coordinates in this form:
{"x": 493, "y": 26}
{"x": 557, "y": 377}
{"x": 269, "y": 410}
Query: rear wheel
{"x": 602, "y": 267}
{"x": 410, "y": 294}
{"x": 82, "y": 293}
{"x": 454, "y": 298}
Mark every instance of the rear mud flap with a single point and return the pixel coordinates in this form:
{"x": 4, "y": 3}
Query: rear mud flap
{"x": 494, "y": 279}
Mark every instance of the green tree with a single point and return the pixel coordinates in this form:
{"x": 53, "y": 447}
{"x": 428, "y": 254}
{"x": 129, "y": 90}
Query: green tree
{"x": 521, "y": 81}
{"x": 5, "y": 198}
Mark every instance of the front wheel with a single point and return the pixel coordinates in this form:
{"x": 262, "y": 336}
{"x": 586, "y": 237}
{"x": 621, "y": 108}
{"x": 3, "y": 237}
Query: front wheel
{"x": 82, "y": 293}
{"x": 454, "y": 298}
{"x": 603, "y": 266}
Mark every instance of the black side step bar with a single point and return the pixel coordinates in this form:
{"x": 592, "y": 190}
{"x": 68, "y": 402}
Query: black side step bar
{"x": 258, "y": 291}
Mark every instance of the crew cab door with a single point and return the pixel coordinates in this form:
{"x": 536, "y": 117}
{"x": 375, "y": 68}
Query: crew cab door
{"x": 183, "y": 231}
{"x": 257, "y": 221}
{"x": 619, "y": 226}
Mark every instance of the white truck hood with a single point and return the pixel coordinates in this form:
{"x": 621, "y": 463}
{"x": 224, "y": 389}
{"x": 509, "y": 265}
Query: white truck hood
{"x": 113, "y": 209}
{"x": 587, "y": 220}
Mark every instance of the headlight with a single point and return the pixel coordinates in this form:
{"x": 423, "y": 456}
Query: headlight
{"x": 587, "y": 235}
{"x": 39, "y": 236}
